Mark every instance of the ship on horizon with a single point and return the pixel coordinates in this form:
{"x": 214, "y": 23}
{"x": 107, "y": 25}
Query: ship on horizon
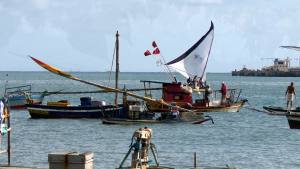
{"x": 280, "y": 68}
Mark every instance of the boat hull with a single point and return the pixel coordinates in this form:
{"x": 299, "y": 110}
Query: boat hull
{"x": 19, "y": 101}
{"x": 274, "y": 110}
{"x": 280, "y": 111}
{"x": 294, "y": 121}
{"x": 44, "y": 111}
{"x": 233, "y": 107}
{"x": 126, "y": 121}
{"x": 166, "y": 117}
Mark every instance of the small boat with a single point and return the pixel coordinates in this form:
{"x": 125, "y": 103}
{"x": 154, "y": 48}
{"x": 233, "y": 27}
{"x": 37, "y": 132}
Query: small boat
{"x": 293, "y": 120}
{"x": 17, "y": 99}
{"x": 276, "y": 110}
{"x": 138, "y": 114}
{"x": 293, "y": 115}
{"x": 62, "y": 109}
{"x": 178, "y": 94}
{"x": 192, "y": 65}
{"x": 281, "y": 111}
{"x": 122, "y": 121}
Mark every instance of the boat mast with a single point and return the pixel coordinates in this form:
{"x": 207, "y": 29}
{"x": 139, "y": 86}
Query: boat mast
{"x": 117, "y": 67}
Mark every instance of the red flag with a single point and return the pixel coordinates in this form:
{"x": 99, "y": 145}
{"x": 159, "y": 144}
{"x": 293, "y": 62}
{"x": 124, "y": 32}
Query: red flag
{"x": 154, "y": 44}
{"x": 156, "y": 51}
{"x": 147, "y": 53}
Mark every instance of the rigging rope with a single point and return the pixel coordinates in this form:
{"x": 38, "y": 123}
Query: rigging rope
{"x": 168, "y": 69}
{"x": 112, "y": 64}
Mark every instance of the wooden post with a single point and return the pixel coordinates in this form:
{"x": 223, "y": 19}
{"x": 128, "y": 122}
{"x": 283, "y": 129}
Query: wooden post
{"x": 150, "y": 90}
{"x": 117, "y": 68}
{"x": 8, "y": 136}
{"x": 195, "y": 160}
{"x": 145, "y": 89}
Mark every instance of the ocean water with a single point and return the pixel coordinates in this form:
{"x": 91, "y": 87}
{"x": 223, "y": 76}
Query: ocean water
{"x": 247, "y": 139}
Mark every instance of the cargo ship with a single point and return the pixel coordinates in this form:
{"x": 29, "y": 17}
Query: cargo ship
{"x": 280, "y": 68}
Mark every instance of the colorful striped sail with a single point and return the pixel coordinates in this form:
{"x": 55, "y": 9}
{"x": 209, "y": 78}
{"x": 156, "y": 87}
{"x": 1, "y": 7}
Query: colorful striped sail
{"x": 51, "y": 68}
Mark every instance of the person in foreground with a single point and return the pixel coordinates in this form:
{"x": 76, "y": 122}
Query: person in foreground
{"x": 290, "y": 94}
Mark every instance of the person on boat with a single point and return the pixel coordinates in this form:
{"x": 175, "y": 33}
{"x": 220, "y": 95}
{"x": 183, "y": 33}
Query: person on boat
{"x": 194, "y": 83}
{"x": 290, "y": 94}
{"x": 223, "y": 92}
{"x": 207, "y": 93}
{"x": 201, "y": 83}
{"x": 188, "y": 81}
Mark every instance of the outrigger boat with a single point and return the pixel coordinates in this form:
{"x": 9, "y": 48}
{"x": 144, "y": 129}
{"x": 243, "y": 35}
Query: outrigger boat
{"x": 17, "y": 99}
{"x": 62, "y": 109}
{"x": 177, "y": 93}
{"x": 293, "y": 120}
{"x": 125, "y": 117}
{"x": 292, "y": 115}
{"x": 279, "y": 111}
{"x": 192, "y": 65}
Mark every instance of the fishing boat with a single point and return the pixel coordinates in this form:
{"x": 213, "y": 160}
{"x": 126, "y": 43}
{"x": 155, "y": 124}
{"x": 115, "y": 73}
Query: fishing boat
{"x": 293, "y": 120}
{"x": 140, "y": 114}
{"x": 292, "y": 115}
{"x": 277, "y": 110}
{"x": 176, "y": 93}
{"x": 124, "y": 117}
{"x": 281, "y": 111}
{"x": 17, "y": 99}
{"x": 192, "y": 95}
{"x": 62, "y": 109}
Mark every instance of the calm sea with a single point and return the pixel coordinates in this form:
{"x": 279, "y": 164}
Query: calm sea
{"x": 249, "y": 140}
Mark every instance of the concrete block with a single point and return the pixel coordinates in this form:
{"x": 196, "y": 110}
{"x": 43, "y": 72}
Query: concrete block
{"x": 71, "y": 160}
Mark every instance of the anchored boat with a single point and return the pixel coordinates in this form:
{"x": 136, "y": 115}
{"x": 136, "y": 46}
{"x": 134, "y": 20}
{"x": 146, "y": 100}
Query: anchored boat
{"x": 277, "y": 110}
{"x": 178, "y": 94}
{"x": 294, "y": 120}
{"x": 292, "y": 115}
{"x": 62, "y": 109}
{"x": 17, "y": 99}
{"x": 195, "y": 94}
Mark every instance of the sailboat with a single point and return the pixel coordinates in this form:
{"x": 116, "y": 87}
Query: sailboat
{"x": 133, "y": 112}
{"x": 192, "y": 65}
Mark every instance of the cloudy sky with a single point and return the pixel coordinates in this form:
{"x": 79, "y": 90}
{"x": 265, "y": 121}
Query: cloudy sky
{"x": 79, "y": 35}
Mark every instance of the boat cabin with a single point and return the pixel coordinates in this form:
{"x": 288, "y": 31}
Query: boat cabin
{"x": 174, "y": 92}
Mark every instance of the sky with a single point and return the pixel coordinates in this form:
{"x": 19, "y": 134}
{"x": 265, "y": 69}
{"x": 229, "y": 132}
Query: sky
{"x": 79, "y": 35}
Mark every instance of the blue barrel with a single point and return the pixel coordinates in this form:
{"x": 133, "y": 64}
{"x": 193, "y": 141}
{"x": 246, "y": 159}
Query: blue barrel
{"x": 86, "y": 101}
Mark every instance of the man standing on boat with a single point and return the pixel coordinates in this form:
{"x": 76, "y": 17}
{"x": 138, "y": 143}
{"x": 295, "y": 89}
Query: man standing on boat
{"x": 223, "y": 92}
{"x": 290, "y": 94}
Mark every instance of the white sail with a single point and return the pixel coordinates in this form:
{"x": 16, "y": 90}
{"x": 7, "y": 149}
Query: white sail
{"x": 193, "y": 62}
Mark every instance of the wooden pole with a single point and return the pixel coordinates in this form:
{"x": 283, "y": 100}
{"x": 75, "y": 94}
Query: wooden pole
{"x": 117, "y": 67}
{"x": 195, "y": 160}
{"x": 8, "y": 133}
